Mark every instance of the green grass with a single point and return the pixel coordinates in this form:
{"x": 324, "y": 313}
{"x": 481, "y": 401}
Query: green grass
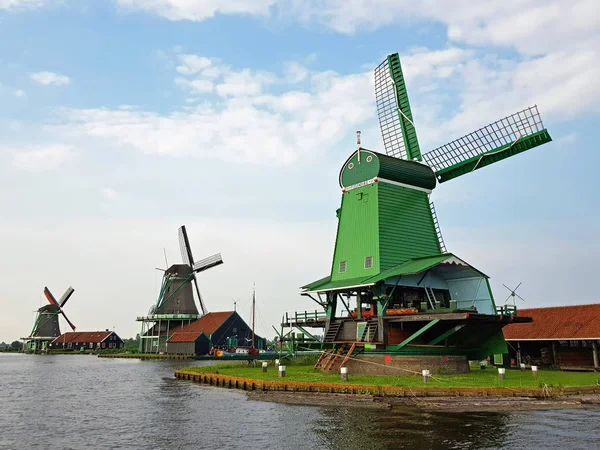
{"x": 476, "y": 378}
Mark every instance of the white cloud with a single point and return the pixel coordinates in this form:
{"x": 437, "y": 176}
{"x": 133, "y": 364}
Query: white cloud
{"x": 242, "y": 83}
{"x": 191, "y": 64}
{"x": 25, "y": 4}
{"x": 198, "y": 10}
{"x": 242, "y": 124}
{"x": 19, "y": 93}
{"x": 527, "y": 25}
{"x": 50, "y": 78}
{"x": 198, "y": 86}
{"x": 41, "y": 158}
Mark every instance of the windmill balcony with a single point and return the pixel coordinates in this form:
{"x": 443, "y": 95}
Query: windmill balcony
{"x": 305, "y": 317}
{"x": 506, "y": 310}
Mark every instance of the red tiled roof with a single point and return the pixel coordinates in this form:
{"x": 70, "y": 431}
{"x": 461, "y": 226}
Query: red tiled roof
{"x": 83, "y": 336}
{"x": 558, "y": 322}
{"x": 207, "y": 324}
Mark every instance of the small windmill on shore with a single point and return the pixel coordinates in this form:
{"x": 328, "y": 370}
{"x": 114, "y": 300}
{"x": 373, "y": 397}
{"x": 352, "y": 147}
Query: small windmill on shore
{"x": 176, "y": 305}
{"x": 46, "y": 326}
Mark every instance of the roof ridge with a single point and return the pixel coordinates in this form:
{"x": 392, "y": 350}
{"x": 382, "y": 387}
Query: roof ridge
{"x": 561, "y": 306}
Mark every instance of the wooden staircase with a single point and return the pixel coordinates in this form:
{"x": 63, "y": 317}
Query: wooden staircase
{"x": 332, "y": 331}
{"x": 336, "y": 358}
{"x": 370, "y": 330}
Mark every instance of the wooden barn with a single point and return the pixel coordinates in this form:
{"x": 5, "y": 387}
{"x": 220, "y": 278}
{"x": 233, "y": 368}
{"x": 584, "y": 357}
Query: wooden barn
{"x": 225, "y": 329}
{"x": 87, "y": 340}
{"x": 566, "y": 337}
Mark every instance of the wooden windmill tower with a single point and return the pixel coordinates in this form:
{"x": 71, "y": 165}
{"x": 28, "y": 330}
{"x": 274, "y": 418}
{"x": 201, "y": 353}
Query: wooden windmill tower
{"x": 390, "y": 260}
{"x": 175, "y": 305}
{"x": 46, "y": 327}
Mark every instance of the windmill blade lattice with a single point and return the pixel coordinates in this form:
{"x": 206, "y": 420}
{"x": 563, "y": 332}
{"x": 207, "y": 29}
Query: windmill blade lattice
{"x": 53, "y": 301}
{"x": 202, "y": 306}
{"x": 184, "y": 246}
{"x": 66, "y": 296}
{"x": 514, "y": 134}
{"x": 393, "y": 108}
{"x": 207, "y": 263}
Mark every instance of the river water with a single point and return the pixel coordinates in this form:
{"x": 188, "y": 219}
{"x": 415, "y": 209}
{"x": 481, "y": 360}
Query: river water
{"x": 81, "y": 401}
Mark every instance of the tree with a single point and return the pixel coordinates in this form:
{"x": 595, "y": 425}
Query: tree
{"x": 16, "y": 344}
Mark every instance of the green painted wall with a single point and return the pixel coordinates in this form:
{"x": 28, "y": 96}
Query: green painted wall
{"x": 406, "y": 228}
{"x": 388, "y": 222}
{"x": 357, "y": 234}
{"x": 354, "y": 172}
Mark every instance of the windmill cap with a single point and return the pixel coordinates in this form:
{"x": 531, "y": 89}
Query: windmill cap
{"x": 371, "y": 165}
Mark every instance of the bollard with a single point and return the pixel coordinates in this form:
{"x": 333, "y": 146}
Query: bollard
{"x": 264, "y": 366}
{"x": 426, "y": 376}
{"x": 276, "y": 363}
{"x": 501, "y": 373}
{"x": 522, "y": 367}
{"x": 344, "y": 373}
{"x": 534, "y": 371}
{"x": 281, "y": 371}
{"x": 483, "y": 364}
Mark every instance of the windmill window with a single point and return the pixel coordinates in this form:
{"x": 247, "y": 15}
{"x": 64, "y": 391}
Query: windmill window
{"x": 351, "y": 166}
{"x": 368, "y": 262}
{"x": 342, "y": 266}
{"x": 369, "y": 158}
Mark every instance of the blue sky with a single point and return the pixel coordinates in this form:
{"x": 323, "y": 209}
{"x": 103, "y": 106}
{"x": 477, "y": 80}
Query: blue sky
{"x": 121, "y": 120}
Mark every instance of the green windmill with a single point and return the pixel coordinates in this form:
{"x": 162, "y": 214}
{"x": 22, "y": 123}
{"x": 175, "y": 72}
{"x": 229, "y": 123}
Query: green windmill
{"x": 393, "y": 287}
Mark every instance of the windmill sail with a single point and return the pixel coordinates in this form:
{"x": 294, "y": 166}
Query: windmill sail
{"x": 393, "y": 108}
{"x": 66, "y": 296}
{"x": 506, "y": 137}
{"x": 184, "y": 246}
{"x": 58, "y": 306}
{"x": 207, "y": 263}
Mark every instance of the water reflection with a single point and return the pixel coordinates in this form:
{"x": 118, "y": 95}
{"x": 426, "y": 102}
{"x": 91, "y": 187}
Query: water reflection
{"x": 80, "y": 401}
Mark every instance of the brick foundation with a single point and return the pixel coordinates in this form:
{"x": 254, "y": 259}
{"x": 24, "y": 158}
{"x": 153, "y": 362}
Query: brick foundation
{"x": 366, "y": 364}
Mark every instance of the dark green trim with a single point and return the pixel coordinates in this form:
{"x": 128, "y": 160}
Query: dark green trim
{"x": 450, "y": 332}
{"x": 495, "y": 155}
{"x": 487, "y": 281}
{"x": 409, "y": 133}
{"x": 413, "y": 336}
{"x": 305, "y": 332}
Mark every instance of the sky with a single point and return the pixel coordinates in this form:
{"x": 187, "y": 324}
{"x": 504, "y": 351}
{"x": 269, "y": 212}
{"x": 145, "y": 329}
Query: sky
{"x": 121, "y": 120}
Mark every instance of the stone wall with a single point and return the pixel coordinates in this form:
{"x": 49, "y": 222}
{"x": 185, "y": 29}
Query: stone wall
{"x": 366, "y": 364}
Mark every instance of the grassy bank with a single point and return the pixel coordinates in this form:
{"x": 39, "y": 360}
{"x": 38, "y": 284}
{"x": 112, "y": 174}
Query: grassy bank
{"x": 476, "y": 378}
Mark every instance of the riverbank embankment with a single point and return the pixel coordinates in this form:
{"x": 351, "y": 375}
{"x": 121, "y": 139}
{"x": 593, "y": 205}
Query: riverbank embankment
{"x": 143, "y": 356}
{"x": 453, "y": 394}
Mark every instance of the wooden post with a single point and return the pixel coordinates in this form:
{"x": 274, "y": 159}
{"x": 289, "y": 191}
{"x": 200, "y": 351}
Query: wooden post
{"x": 554, "y": 353}
{"x": 281, "y": 371}
{"x": 344, "y": 373}
{"x": 595, "y": 354}
{"x": 264, "y": 366}
{"x": 501, "y": 373}
{"x": 426, "y": 376}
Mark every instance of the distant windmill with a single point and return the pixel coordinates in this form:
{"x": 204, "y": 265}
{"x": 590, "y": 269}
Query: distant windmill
{"x": 176, "y": 295}
{"x": 46, "y": 326}
{"x": 175, "y": 306}
{"x": 513, "y": 294}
